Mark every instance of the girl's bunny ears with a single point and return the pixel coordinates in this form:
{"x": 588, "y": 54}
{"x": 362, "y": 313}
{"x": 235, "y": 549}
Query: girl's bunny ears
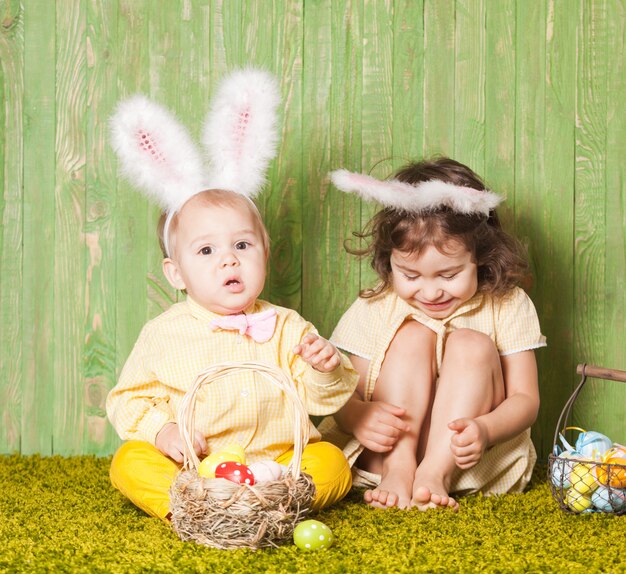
{"x": 158, "y": 156}
{"x": 419, "y": 198}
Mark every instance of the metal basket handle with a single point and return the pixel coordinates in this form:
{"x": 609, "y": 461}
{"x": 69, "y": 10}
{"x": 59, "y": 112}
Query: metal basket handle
{"x": 586, "y": 371}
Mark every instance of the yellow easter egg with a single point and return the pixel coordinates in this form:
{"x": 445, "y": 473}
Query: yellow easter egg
{"x": 583, "y": 478}
{"x": 237, "y": 452}
{"x": 208, "y": 465}
{"x": 577, "y": 501}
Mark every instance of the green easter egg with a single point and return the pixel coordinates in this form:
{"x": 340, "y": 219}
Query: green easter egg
{"x": 313, "y": 535}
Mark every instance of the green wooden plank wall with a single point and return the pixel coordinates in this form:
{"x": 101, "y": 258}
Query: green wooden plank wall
{"x": 529, "y": 93}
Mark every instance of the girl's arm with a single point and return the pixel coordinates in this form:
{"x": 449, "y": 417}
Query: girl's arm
{"x": 519, "y": 409}
{"x": 516, "y": 413}
{"x": 375, "y": 424}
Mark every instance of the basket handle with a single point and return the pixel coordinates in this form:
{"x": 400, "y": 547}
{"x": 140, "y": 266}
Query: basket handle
{"x": 586, "y": 371}
{"x": 276, "y": 376}
{"x": 601, "y": 373}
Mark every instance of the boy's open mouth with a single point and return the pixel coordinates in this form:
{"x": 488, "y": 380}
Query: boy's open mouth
{"x": 234, "y": 285}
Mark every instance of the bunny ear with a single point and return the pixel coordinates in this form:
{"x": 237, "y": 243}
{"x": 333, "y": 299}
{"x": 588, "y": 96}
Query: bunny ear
{"x": 156, "y": 153}
{"x": 240, "y": 132}
{"x": 418, "y": 198}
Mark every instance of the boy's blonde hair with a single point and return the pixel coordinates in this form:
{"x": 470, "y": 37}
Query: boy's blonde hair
{"x": 212, "y": 198}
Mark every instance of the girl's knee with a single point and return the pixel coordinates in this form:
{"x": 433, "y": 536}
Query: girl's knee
{"x": 413, "y": 337}
{"x": 480, "y": 344}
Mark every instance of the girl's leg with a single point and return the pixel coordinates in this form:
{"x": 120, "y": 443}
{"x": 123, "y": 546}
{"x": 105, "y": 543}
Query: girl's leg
{"x": 406, "y": 380}
{"x": 470, "y": 384}
{"x": 143, "y": 474}
{"x": 329, "y": 469}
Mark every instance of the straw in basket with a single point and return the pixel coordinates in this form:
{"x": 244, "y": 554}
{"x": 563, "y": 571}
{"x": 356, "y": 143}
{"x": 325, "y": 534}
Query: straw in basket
{"x": 223, "y": 514}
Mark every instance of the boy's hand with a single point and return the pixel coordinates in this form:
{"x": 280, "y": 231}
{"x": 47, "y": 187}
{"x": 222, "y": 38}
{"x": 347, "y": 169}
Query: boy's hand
{"x": 318, "y": 353}
{"x": 379, "y": 425}
{"x": 168, "y": 441}
{"x": 469, "y": 441}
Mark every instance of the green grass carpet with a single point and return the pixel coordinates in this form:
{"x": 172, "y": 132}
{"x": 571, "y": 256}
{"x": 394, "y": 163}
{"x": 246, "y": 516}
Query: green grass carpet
{"x": 62, "y": 515}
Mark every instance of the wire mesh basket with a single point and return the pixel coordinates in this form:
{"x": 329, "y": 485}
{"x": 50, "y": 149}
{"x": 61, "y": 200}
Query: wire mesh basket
{"x": 591, "y": 475}
{"x": 223, "y": 514}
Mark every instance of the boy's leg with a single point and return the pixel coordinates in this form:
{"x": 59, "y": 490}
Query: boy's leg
{"x": 470, "y": 384}
{"x": 329, "y": 469}
{"x": 144, "y": 475}
{"x": 406, "y": 380}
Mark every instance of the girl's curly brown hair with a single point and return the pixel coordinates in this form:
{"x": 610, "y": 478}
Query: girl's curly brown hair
{"x": 500, "y": 258}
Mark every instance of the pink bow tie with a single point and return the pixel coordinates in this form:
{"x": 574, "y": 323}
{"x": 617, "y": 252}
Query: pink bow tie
{"x": 259, "y": 326}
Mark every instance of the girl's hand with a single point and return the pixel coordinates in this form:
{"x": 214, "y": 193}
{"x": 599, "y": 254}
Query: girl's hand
{"x": 318, "y": 353}
{"x": 168, "y": 441}
{"x": 379, "y": 425}
{"x": 469, "y": 442}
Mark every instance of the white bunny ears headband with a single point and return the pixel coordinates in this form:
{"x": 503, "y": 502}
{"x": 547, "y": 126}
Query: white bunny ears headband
{"x": 419, "y": 198}
{"x": 158, "y": 156}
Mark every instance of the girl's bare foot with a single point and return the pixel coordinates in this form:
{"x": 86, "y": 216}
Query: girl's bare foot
{"x": 430, "y": 492}
{"x": 394, "y": 490}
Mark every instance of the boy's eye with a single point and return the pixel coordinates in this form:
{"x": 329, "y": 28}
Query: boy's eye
{"x": 449, "y": 277}
{"x": 242, "y": 245}
{"x": 206, "y": 250}
{"x": 410, "y": 277}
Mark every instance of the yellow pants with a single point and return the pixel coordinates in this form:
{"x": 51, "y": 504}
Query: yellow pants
{"x": 144, "y": 475}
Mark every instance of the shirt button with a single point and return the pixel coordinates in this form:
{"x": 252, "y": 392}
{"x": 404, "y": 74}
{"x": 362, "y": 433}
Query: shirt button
{"x": 245, "y": 393}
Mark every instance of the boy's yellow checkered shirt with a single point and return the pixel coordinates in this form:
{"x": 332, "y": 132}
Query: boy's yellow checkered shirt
{"x": 176, "y": 346}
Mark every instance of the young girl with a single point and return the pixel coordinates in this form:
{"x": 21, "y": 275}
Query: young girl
{"x": 215, "y": 250}
{"x": 443, "y": 344}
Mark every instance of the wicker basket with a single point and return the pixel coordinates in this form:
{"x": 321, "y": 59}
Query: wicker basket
{"x": 223, "y": 514}
{"x": 580, "y": 485}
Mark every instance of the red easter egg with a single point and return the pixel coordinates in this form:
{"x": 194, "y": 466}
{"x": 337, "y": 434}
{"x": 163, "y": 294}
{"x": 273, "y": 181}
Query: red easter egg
{"x": 235, "y": 472}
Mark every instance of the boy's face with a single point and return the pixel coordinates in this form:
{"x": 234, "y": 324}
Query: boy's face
{"x": 219, "y": 257}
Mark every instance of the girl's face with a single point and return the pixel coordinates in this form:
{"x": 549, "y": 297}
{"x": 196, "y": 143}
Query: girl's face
{"x": 219, "y": 257}
{"x": 436, "y": 283}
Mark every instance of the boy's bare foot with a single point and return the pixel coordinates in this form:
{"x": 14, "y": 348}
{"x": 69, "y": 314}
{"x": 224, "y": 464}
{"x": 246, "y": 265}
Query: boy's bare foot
{"x": 393, "y": 490}
{"x": 429, "y": 492}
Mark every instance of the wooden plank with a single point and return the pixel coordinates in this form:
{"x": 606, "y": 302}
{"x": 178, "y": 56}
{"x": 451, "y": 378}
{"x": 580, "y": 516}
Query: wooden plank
{"x": 500, "y": 71}
{"x": 11, "y": 220}
{"x": 614, "y": 295}
{"x": 335, "y": 142}
{"x": 39, "y": 218}
{"x": 408, "y": 82}
{"x": 131, "y": 219}
{"x": 195, "y": 65}
{"x": 529, "y": 195}
{"x": 591, "y": 229}
{"x": 469, "y": 84}
{"x": 281, "y": 202}
{"x": 338, "y": 279}
{"x": 167, "y": 83}
{"x": 316, "y": 86}
{"x": 439, "y": 92}
{"x": 377, "y": 104}
{"x": 99, "y": 373}
{"x": 69, "y": 254}
{"x": 217, "y": 48}
{"x": 232, "y": 31}
{"x": 553, "y": 222}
